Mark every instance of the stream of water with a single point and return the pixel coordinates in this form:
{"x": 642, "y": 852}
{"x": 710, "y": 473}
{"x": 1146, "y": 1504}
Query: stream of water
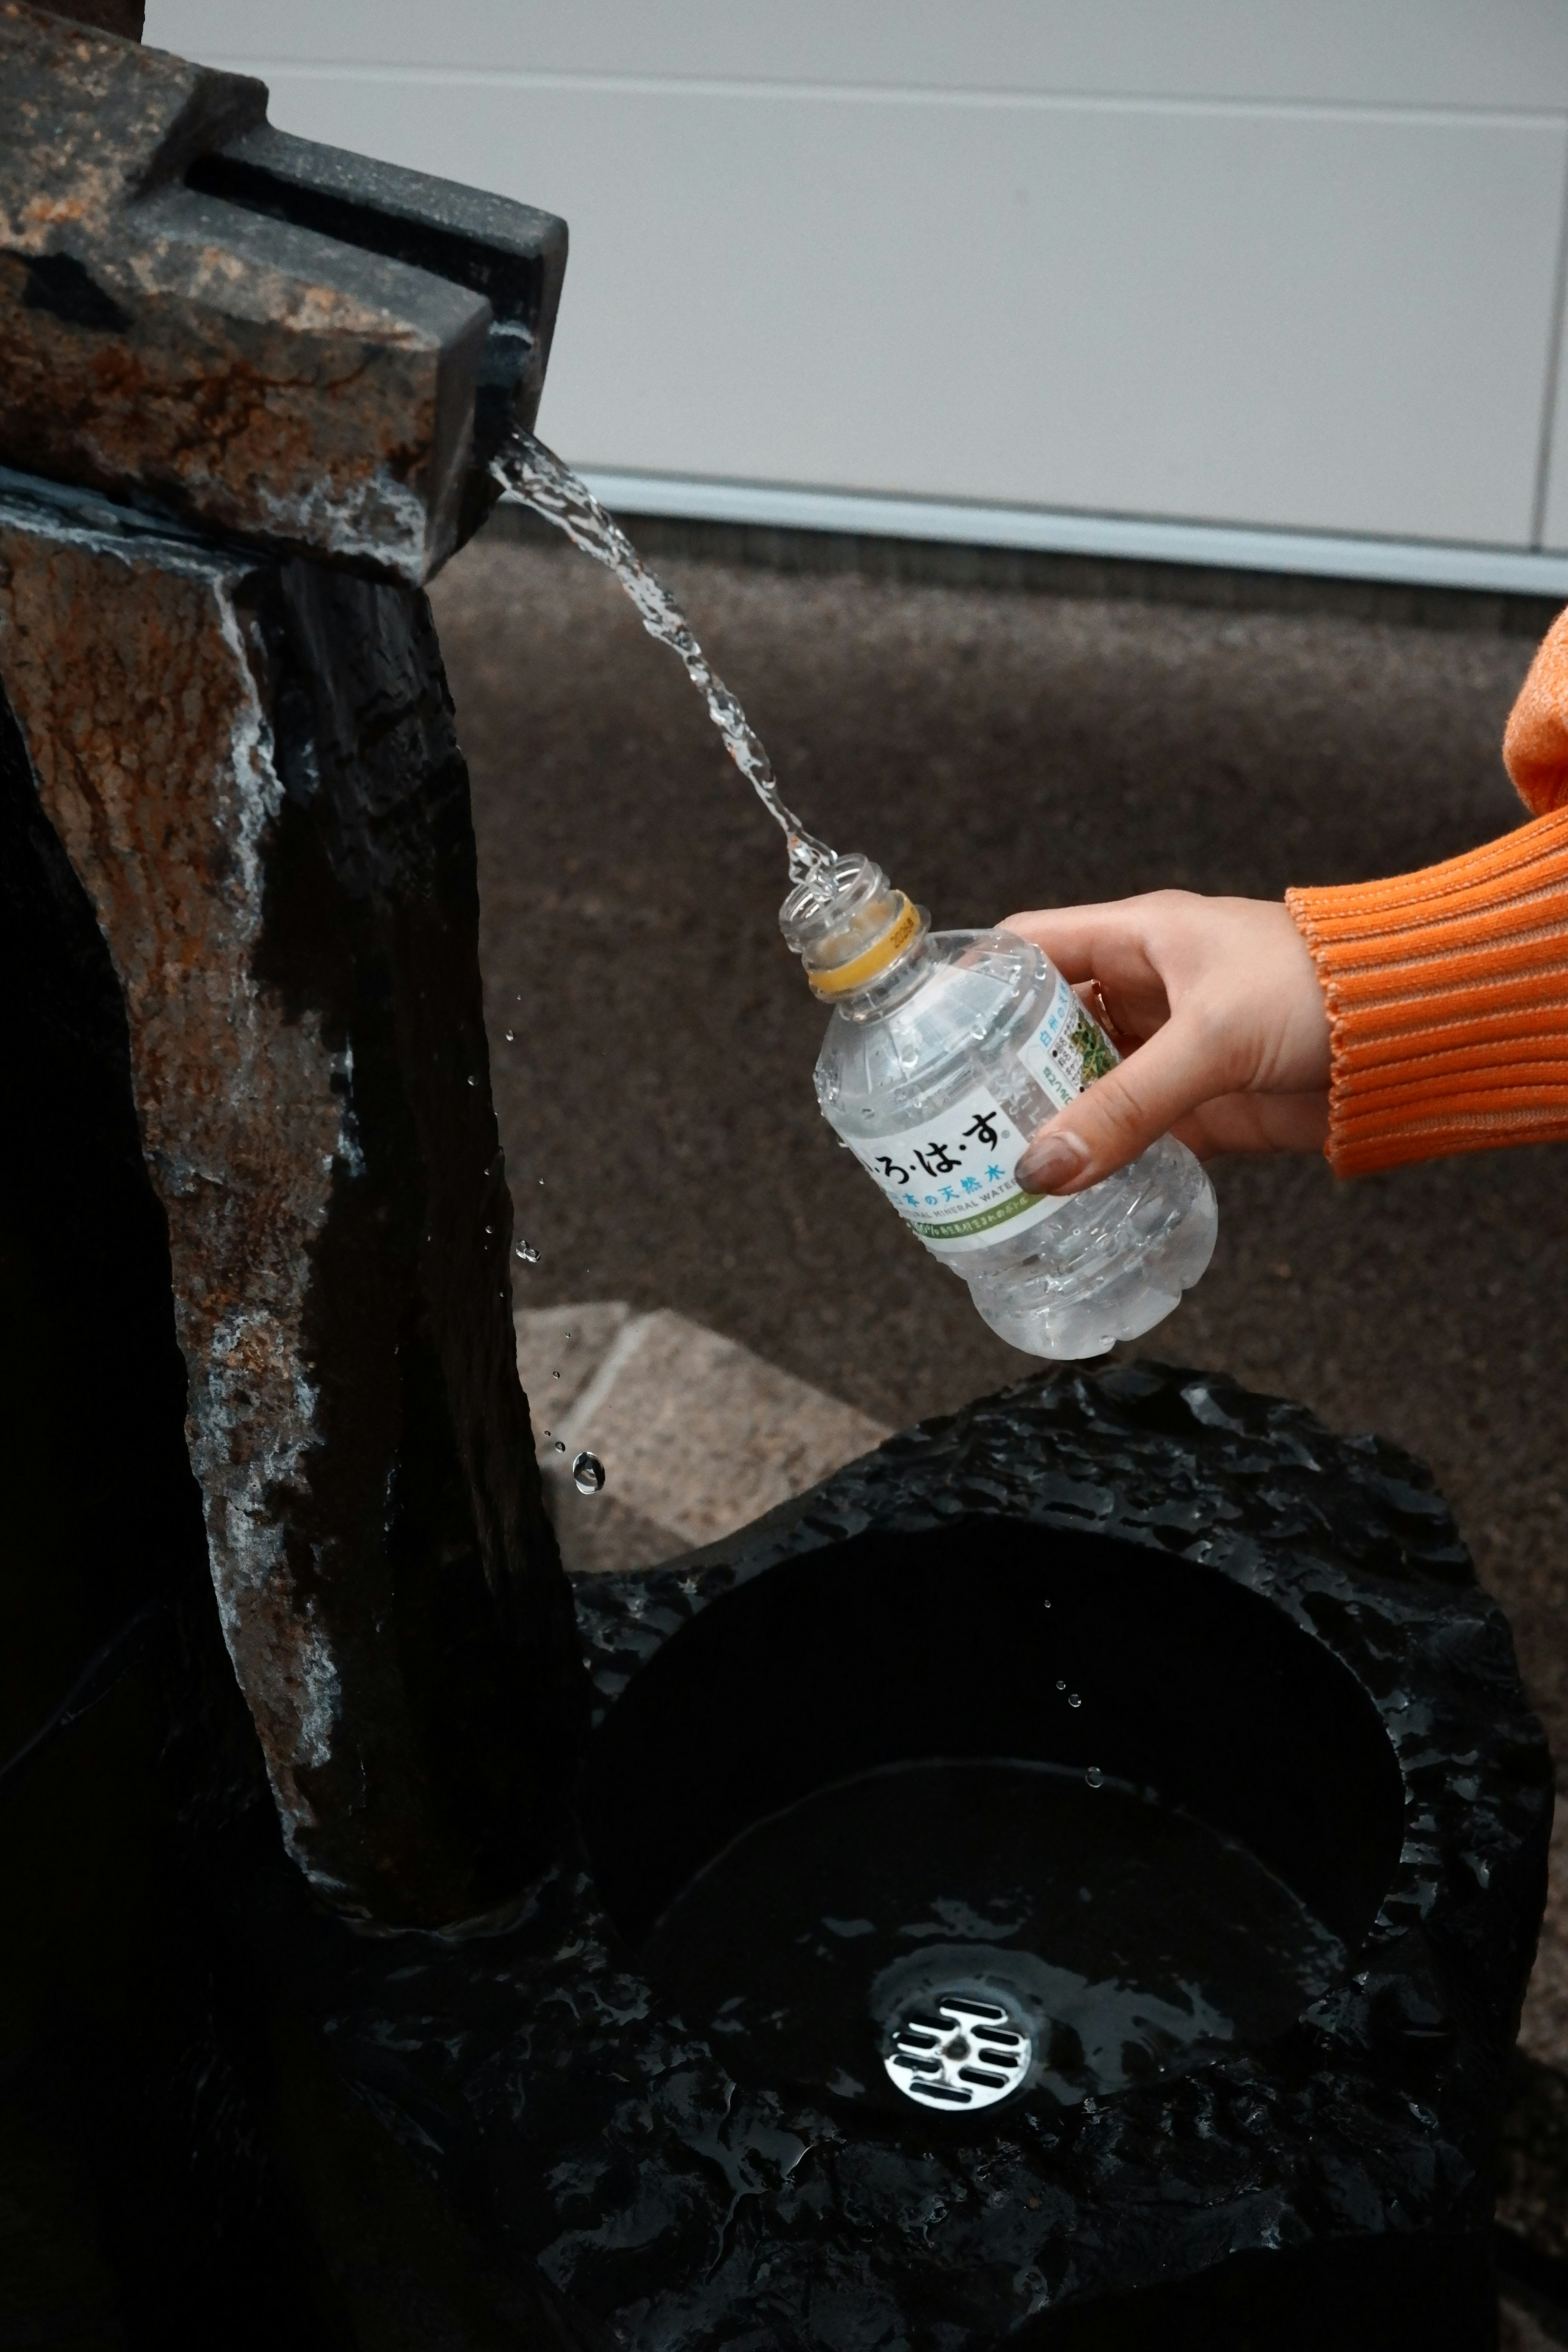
{"x": 539, "y": 478}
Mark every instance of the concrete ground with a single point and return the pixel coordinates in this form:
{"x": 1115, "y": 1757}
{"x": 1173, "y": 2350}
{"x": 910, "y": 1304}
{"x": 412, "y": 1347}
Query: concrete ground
{"x": 993, "y": 750}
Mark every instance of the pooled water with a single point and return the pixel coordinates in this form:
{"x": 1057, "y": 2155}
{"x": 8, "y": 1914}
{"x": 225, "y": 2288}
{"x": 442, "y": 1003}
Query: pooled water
{"x": 1126, "y": 1937}
{"x": 538, "y": 478}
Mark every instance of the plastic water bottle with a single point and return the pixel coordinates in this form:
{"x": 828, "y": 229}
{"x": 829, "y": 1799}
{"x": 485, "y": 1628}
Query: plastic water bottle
{"x": 946, "y": 1050}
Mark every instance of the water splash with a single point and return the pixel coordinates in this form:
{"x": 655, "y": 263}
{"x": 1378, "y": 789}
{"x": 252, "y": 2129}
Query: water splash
{"x": 538, "y": 478}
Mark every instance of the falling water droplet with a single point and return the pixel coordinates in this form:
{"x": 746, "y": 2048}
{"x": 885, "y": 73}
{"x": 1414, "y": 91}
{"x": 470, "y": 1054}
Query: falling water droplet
{"x": 1095, "y": 1777}
{"x": 555, "y": 1376}
{"x": 527, "y": 1252}
{"x": 511, "y": 1037}
{"x": 1073, "y": 1699}
{"x": 473, "y": 1082}
{"x": 1045, "y": 1604}
{"x": 1062, "y": 1687}
{"x": 561, "y": 1446}
{"x": 587, "y": 1473}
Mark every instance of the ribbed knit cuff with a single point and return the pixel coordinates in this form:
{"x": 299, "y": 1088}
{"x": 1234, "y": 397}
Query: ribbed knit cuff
{"x": 1448, "y": 996}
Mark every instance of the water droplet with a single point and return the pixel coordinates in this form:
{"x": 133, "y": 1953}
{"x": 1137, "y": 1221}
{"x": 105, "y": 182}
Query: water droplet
{"x": 1073, "y": 1699}
{"x": 561, "y": 1446}
{"x": 490, "y": 1231}
{"x": 1095, "y": 1777}
{"x": 527, "y": 1252}
{"x": 587, "y": 1473}
{"x": 473, "y": 1082}
{"x": 1045, "y": 1604}
{"x": 1062, "y": 1687}
{"x": 511, "y": 1037}
{"x": 555, "y": 1376}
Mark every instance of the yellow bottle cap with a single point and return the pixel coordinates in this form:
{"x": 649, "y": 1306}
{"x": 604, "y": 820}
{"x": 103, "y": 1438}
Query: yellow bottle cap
{"x": 841, "y": 978}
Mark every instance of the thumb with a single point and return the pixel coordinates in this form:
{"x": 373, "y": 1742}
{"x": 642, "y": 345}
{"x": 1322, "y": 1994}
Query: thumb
{"x": 1120, "y": 1115}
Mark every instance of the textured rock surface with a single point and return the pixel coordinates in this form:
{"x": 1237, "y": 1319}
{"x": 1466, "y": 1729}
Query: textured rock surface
{"x": 281, "y": 342}
{"x": 1333, "y": 2186}
{"x": 252, "y": 774}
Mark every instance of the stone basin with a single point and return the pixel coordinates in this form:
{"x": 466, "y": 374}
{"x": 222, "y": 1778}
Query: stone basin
{"x": 1269, "y": 1961}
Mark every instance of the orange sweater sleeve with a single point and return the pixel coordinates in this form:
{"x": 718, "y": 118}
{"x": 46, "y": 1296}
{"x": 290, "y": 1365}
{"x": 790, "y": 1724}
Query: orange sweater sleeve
{"x": 1448, "y": 989}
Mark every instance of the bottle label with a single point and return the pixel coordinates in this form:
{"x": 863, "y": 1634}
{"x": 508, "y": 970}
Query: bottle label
{"x": 951, "y": 1181}
{"x": 1068, "y": 1050}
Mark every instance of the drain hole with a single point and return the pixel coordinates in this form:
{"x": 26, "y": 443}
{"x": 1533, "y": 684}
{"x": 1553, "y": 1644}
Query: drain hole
{"x": 959, "y": 2050}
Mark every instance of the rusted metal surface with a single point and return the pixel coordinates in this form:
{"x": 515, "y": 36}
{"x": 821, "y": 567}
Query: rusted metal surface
{"x": 252, "y": 772}
{"x": 278, "y": 342}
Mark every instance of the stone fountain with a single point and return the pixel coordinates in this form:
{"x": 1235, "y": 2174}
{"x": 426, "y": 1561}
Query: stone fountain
{"x": 409, "y": 1949}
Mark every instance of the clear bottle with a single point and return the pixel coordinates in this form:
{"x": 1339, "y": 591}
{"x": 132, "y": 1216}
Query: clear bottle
{"x": 944, "y": 1053}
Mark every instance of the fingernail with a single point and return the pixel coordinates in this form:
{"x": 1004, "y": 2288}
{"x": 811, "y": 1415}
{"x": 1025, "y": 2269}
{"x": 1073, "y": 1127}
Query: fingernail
{"x": 1052, "y": 1163}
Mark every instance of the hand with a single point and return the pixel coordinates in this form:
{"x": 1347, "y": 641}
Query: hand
{"x": 1216, "y": 1006}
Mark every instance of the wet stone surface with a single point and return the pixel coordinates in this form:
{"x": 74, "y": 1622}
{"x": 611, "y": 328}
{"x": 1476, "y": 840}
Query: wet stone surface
{"x": 243, "y": 776}
{"x": 577, "y": 2115}
{"x": 1128, "y": 1938}
{"x": 280, "y": 342}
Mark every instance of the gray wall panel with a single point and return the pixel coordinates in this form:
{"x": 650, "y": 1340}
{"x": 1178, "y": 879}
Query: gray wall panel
{"x": 1483, "y": 52}
{"x": 849, "y": 266}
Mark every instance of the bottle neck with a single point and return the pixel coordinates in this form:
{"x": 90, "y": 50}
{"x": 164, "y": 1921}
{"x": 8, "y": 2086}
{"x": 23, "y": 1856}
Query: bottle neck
{"x": 895, "y": 981}
{"x": 854, "y": 933}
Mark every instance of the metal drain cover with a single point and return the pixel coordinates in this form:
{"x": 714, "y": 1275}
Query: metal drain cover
{"x": 960, "y": 2049}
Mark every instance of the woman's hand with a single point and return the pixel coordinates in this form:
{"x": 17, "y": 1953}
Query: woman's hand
{"x": 1215, "y": 1005}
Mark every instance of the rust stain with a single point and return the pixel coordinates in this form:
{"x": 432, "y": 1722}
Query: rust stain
{"x": 269, "y": 391}
{"x": 326, "y": 437}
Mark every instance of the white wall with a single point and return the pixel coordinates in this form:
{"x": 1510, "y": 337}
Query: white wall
{"x": 1223, "y": 261}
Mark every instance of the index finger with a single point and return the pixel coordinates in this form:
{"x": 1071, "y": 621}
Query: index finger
{"x": 1092, "y": 942}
